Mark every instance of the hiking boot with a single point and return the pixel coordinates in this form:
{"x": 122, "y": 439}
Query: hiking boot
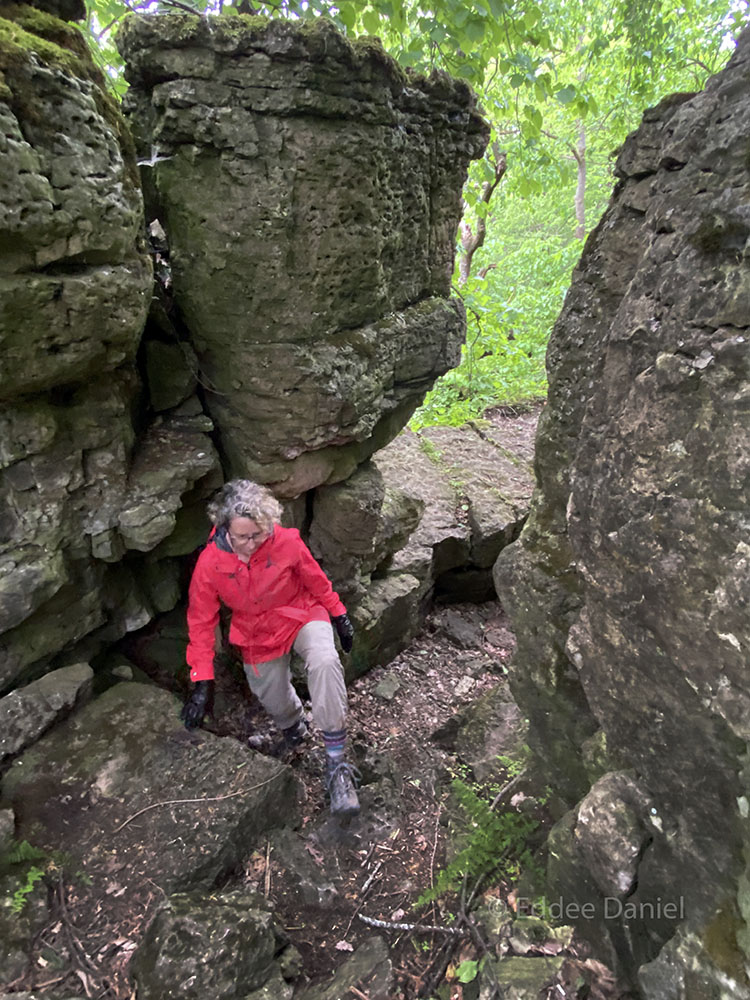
{"x": 295, "y": 734}
{"x": 341, "y": 784}
{"x": 291, "y": 738}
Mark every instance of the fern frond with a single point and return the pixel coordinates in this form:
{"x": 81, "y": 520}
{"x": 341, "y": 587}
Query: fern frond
{"x": 23, "y": 851}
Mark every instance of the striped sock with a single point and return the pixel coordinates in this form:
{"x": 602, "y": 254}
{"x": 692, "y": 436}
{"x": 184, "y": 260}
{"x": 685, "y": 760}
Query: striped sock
{"x": 335, "y": 744}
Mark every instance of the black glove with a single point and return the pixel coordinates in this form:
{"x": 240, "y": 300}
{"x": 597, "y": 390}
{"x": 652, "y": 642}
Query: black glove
{"x": 200, "y": 701}
{"x": 345, "y": 631}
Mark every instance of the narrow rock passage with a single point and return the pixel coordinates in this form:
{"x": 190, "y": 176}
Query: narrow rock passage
{"x": 440, "y": 710}
{"x": 404, "y": 718}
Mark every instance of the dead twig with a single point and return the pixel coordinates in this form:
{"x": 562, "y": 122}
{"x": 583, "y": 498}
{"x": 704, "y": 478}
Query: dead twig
{"x": 438, "y": 964}
{"x": 358, "y": 993}
{"x": 484, "y": 950}
{"x": 371, "y": 878}
{"x": 77, "y": 952}
{"x": 362, "y": 894}
{"x": 267, "y": 882}
{"x": 507, "y": 788}
{"x": 181, "y": 802}
{"x": 421, "y": 928}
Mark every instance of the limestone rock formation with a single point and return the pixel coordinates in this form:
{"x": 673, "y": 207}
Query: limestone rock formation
{"x": 222, "y": 946}
{"x": 427, "y": 515}
{"x": 628, "y": 588}
{"x": 27, "y": 712}
{"x": 133, "y": 800}
{"x": 129, "y": 745}
{"x": 75, "y": 285}
{"x": 310, "y": 193}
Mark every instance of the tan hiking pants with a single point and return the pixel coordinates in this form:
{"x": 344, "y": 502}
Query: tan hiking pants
{"x": 272, "y": 684}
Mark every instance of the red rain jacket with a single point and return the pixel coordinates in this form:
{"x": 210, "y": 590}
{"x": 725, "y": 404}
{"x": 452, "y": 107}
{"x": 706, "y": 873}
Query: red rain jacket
{"x": 271, "y": 597}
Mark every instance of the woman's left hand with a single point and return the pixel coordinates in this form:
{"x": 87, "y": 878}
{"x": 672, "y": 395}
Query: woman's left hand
{"x": 345, "y": 631}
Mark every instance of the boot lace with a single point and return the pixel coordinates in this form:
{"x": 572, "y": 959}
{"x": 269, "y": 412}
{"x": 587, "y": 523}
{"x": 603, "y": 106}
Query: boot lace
{"x": 342, "y": 771}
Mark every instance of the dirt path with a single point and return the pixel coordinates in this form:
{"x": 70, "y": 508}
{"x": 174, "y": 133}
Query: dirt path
{"x": 392, "y": 854}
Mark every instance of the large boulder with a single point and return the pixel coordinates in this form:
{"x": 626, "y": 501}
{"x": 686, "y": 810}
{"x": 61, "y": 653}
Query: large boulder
{"x": 119, "y": 786}
{"x": 310, "y": 193}
{"x": 428, "y": 516}
{"x": 221, "y": 947}
{"x": 28, "y": 712}
{"x": 628, "y": 586}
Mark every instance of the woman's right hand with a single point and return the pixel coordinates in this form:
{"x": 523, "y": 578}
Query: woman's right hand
{"x": 200, "y": 701}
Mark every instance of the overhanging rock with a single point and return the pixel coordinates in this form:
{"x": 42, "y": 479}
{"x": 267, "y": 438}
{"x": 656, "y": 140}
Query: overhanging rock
{"x": 310, "y": 192}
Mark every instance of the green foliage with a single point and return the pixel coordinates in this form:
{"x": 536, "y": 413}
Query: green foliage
{"x": 20, "y": 852}
{"x": 510, "y": 313}
{"x": 513, "y": 767}
{"x": 493, "y": 842}
{"x": 467, "y": 971}
{"x": 18, "y": 861}
{"x": 20, "y": 896}
{"x": 554, "y": 80}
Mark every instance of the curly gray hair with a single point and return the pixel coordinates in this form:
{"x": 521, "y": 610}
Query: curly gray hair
{"x": 243, "y": 498}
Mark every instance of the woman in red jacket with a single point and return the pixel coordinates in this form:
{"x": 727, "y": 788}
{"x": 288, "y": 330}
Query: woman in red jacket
{"x": 280, "y": 600}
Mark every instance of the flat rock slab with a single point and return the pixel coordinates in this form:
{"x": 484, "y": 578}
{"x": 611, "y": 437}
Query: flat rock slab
{"x": 524, "y": 978}
{"x": 475, "y": 483}
{"x": 441, "y": 541}
{"x": 494, "y": 482}
{"x": 221, "y": 946}
{"x": 129, "y": 794}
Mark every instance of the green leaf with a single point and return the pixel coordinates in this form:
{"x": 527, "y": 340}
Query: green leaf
{"x": 461, "y": 16}
{"x": 467, "y": 971}
{"x": 371, "y": 22}
{"x": 409, "y": 58}
{"x": 474, "y": 30}
{"x": 565, "y": 95}
{"x": 347, "y": 16}
{"x": 467, "y": 71}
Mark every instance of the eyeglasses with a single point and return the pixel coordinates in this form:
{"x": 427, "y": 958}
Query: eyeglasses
{"x": 245, "y": 539}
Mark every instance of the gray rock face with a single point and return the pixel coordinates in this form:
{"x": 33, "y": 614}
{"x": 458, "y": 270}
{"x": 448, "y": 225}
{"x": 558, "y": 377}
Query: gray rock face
{"x": 310, "y": 193}
{"x": 423, "y": 517}
{"x": 222, "y": 946}
{"x": 612, "y": 831}
{"x": 72, "y": 266}
{"x": 27, "y": 712}
{"x": 628, "y": 587}
{"x": 77, "y": 486}
{"x": 370, "y": 962}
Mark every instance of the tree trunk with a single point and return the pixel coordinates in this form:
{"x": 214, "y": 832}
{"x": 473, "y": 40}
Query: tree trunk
{"x": 472, "y": 240}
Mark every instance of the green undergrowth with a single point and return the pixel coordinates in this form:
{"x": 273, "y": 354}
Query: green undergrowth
{"x": 492, "y": 843}
{"x": 22, "y": 862}
{"x": 25, "y": 866}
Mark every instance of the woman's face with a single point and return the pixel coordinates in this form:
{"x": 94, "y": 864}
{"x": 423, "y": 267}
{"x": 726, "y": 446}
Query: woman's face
{"x": 245, "y": 535}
